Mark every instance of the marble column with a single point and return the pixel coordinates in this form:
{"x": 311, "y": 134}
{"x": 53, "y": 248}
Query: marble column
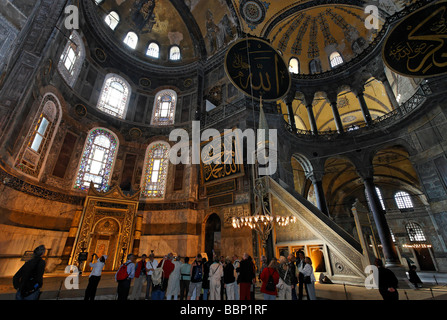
{"x": 390, "y": 93}
{"x": 312, "y": 121}
{"x": 388, "y": 248}
{"x": 319, "y": 193}
{"x": 291, "y": 116}
{"x": 364, "y": 107}
{"x": 337, "y": 119}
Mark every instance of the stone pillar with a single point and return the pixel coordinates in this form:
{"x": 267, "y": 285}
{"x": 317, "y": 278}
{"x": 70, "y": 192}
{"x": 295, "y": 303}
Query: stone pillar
{"x": 317, "y": 182}
{"x": 363, "y": 106}
{"x": 332, "y": 98}
{"x": 312, "y": 121}
{"x": 389, "y": 92}
{"x": 137, "y": 234}
{"x": 69, "y": 243}
{"x": 291, "y": 115}
{"x": 389, "y": 250}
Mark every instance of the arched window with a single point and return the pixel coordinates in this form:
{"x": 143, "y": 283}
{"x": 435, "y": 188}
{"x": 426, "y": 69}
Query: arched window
{"x": 335, "y": 59}
{"x": 115, "y": 95}
{"x": 164, "y": 108}
{"x": 97, "y": 160}
{"x": 153, "y": 50}
{"x": 315, "y": 66}
{"x": 403, "y": 200}
{"x": 34, "y": 151}
{"x": 112, "y": 20}
{"x": 415, "y": 232}
{"x": 131, "y": 40}
{"x": 153, "y": 183}
{"x": 71, "y": 60}
{"x": 294, "y": 65}
{"x": 174, "y": 53}
{"x": 379, "y": 194}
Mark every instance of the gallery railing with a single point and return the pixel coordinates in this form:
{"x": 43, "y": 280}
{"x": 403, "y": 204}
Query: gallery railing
{"x": 378, "y": 123}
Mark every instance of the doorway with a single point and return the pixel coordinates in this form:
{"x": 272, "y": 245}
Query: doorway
{"x": 424, "y": 259}
{"x": 213, "y": 235}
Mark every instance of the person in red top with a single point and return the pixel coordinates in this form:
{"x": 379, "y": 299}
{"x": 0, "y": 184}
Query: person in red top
{"x": 158, "y": 291}
{"x": 271, "y": 270}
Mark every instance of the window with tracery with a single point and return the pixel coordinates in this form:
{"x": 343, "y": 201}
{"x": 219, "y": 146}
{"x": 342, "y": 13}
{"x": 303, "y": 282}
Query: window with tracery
{"x": 34, "y": 151}
{"x": 174, "y": 53}
{"x": 131, "y": 40}
{"x": 153, "y": 50}
{"x": 112, "y": 20}
{"x": 403, "y": 200}
{"x": 164, "y": 108}
{"x": 415, "y": 232}
{"x": 114, "y": 96}
{"x": 335, "y": 59}
{"x": 70, "y": 62}
{"x": 155, "y": 172}
{"x": 294, "y": 65}
{"x": 97, "y": 160}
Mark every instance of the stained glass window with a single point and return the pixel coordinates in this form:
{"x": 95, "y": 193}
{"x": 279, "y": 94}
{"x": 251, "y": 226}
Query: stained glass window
{"x": 97, "y": 160}
{"x": 403, "y": 200}
{"x": 335, "y": 59}
{"x": 164, "y": 108}
{"x": 70, "y": 62}
{"x": 174, "y": 53}
{"x": 114, "y": 96}
{"x": 37, "y": 144}
{"x": 153, "y": 50}
{"x": 155, "y": 170}
{"x": 112, "y": 20}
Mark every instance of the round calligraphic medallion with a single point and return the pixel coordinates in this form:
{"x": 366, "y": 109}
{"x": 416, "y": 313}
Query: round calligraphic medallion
{"x": 257, "y": 69}
{"x": 417, "y": 46}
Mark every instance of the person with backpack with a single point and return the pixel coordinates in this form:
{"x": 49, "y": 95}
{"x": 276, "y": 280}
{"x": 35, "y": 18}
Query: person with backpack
{"x": 124, "y": 277}
{"x": 196, "y": 277}
{"x": 160, "y": 277}
{"x": 29, "y": 279}
{"x": 270, "y": 278}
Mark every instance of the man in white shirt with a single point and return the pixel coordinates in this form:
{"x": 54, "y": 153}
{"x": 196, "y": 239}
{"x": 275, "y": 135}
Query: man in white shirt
{"x": 151, "y": 265}
{"x": 124, "y": 285}
{"x": 95, "y": 276}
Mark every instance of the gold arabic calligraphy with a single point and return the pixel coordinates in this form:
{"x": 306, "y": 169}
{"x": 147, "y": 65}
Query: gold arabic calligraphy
{"x": 227, "y": 166}
{"x": 424, "y": 51}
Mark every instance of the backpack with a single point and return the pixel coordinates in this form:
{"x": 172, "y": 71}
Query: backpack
{"x": 122, "y": 272}
{"x": 157, "y": 275}
{"x": 198, "y": 273}
{"x": 270, "y": 286}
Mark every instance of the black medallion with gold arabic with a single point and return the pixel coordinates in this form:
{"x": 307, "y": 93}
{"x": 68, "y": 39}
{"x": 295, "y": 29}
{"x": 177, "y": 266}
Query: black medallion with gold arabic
{"x": 417, "y": 46}
{"x": 257, "y": 69}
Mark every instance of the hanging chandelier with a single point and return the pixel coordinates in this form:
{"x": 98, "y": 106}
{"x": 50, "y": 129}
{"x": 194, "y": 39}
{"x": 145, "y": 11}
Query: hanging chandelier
{"x": 262, "y": 220}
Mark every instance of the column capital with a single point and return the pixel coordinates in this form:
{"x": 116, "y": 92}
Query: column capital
{"x": 358, "y": 90}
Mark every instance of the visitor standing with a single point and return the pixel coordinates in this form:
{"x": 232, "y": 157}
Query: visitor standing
{"x": 151, "y": 265}
{"x": 309, "y": 279}
{"x": 246, "y": 277}
{"x": 195, "y": 285}
{"x": 140, "y": 277}
{"x": 387, "y": 282}
{"x": 236, "y": 265}
{"x": 185, "y": 278}
{"x": 215, "y": 275}
{"x": 229, "y": 277}
{"x": 285, "y": 280}
{"x": 270, "y": 278}
{"x": 300, "y": 263}
{"x": 173, "y": 289}
{"x": 94, "y": 277}
{"x": 124, "y": 277}
{"x": 29, "y": 279}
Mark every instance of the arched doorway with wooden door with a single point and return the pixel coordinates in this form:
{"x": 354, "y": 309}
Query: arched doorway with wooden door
{"x": 213, "y": 228}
